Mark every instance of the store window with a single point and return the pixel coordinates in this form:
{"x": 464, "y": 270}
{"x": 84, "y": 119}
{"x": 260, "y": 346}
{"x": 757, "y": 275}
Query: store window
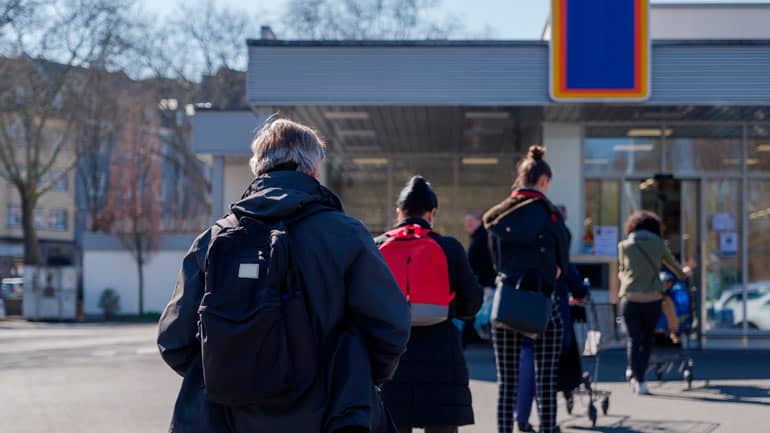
{"x": 482, "y": 183}
{"x": 758, "y": 290}
{"x": 723, "y": 255}
{"x": 363, "y": 186}
{"x": 57, "y": 219}
{"x": 602, "y": 199}
{"x": 703, "y": 148}
{"x": 616, "y": 150}
{"x": 758, "y": 148}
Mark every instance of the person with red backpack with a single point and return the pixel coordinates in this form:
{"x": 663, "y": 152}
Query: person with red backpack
{"x": 430, "y": 388}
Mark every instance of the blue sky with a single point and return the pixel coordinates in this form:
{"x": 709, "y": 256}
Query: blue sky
{"x": 509, "y": 19}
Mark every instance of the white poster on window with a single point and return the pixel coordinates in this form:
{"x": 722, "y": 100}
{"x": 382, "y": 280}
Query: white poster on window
{"x": 723, "y": 222}
{"x": 606, "y": 241}
{"x": 728, "y": 243}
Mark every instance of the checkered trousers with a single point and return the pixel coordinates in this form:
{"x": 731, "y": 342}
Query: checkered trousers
{"x": 547, "y": 347}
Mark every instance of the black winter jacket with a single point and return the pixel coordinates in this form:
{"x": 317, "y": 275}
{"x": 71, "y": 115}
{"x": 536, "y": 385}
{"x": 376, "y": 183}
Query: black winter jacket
{"x": 351, "y": 292}
{"x": 430, "y": 387}
{"x": 533, "y": 239}
{"x": 480, "y": 259}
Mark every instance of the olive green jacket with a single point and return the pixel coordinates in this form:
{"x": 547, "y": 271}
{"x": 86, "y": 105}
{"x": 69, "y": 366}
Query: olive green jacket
{"x": 637, "y": 274}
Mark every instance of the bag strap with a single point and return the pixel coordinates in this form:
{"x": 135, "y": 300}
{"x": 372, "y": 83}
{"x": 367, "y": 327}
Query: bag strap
{"x": 409, "y": 232}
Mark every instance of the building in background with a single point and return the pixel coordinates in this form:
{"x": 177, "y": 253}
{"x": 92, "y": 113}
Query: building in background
{"x": 54, "y": 220}
{"x": 462, "y": 113}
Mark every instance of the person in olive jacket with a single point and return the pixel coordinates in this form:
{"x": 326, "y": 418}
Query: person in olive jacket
{"x": 529, "y": 242}
{"x": 640, "y": 257}
{"x": 430, "y": 388}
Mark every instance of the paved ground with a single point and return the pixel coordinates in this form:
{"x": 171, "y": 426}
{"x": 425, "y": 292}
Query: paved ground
{"x": 76, "y": 378}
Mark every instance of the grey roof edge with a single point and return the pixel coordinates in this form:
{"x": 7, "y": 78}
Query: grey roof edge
{"x": 480, "y": 43}
{"x": 710, "y": 5}
{"x": 710, "y": 42}
{"x": 394, "y": 43}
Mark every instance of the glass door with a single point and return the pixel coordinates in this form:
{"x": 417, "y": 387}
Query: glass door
{"x": 722, "y": 255}
{"x": 677, "y": 202}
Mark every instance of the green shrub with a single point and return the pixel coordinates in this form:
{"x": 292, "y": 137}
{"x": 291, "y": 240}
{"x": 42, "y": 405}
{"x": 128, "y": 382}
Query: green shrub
{"x": 109, "y": 302}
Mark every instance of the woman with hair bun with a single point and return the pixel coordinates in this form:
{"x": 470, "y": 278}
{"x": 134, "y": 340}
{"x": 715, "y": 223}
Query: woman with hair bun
{"x": 529, "y": 243}
{"x": 430, "y": 388}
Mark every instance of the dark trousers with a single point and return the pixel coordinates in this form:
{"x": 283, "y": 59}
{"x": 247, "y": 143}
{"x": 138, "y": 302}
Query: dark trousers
{"x": 547, "y": 350}
{"x": 640, "y": 318}
{"x": 433, "y": 429}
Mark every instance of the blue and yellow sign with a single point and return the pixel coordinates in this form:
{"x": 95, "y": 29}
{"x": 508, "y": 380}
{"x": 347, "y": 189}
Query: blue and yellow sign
{"x": 600, "y": 50}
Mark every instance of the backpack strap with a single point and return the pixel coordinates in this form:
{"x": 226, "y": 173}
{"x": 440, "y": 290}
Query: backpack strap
{"x": 408, "y": 232}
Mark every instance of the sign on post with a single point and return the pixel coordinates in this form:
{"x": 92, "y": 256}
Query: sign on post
{"x": 600, "y": 51}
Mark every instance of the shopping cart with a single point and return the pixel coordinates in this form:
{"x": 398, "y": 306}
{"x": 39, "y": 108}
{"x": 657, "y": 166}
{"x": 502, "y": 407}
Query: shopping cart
{"x": 591, "y": 335}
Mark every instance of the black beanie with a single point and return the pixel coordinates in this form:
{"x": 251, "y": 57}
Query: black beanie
{"x": 417, "y": 197}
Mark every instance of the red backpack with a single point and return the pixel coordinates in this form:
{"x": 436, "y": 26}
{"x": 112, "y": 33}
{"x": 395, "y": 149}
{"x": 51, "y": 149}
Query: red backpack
{"x": 419, "y": 265}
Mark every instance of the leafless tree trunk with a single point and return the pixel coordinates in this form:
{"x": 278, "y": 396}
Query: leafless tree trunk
{"x": 40, "y": 97}
{"x": 99, "y": 128}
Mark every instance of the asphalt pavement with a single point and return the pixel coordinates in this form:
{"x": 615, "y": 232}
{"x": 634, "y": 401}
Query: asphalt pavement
{"x": 98, "y": 378}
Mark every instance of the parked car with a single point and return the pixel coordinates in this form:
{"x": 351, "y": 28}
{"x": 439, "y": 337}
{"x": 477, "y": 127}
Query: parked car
{"x": 757, "y": 304}
{"x": 12, "y": 288}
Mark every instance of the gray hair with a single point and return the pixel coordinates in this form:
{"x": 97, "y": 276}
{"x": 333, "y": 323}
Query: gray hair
{"x": 282, "y": 141}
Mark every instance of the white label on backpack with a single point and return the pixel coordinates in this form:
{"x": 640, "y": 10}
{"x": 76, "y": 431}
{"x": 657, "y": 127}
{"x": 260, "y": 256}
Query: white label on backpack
{"x": 249, "y": 270}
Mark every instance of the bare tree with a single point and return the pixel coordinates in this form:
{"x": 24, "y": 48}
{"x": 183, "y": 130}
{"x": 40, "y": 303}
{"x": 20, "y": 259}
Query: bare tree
{"x": 133, "y": 207}
{"x": 39, "y": 98}
{"x": 97, "y": 135}
{"x": 367, "y": 19}
{"x": 10, "y": 9}
{"x": 195, "y": 57}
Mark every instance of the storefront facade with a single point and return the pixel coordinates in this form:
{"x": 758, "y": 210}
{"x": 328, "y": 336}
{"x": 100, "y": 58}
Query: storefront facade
{"x": 462, "y": 113}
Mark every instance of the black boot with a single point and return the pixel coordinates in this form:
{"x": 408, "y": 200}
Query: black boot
{"x": 526, "y": 427}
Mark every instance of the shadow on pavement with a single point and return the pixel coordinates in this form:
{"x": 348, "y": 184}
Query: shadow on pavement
{"x": 740, "y": 394}
{"x": 629, "y": 425}
{"x": 709, "y": 365}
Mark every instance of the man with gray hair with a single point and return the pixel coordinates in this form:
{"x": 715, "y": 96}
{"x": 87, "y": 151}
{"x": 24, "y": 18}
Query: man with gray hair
{"x": 353, "y": 324}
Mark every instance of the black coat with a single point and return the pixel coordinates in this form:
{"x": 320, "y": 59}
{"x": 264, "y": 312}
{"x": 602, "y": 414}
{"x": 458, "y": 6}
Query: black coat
{"x": 480, "y": 259}
{"x": 533, "y": 238}
{"x": 430, "y": 387}
{"x": 351, "y": 293}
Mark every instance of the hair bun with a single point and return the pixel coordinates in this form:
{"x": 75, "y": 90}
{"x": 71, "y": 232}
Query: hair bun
{"x": 418, "y": 182}
{"x": 536, "y": 152}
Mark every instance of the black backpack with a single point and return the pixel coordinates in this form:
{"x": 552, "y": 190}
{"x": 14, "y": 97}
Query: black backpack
{"x": 258, "y": 339}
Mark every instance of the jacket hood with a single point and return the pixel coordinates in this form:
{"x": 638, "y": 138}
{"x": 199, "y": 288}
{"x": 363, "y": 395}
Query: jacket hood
{"x": 282, "y": 194}
{"x": 644, "y": 234}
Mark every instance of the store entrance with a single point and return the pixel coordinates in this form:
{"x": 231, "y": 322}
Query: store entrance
{"x": 676, "y": 201}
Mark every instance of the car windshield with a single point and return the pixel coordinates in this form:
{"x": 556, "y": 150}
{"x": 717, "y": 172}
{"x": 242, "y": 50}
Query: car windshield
{"x": 732, "y": 300}
{"x": 757, "y": 293}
